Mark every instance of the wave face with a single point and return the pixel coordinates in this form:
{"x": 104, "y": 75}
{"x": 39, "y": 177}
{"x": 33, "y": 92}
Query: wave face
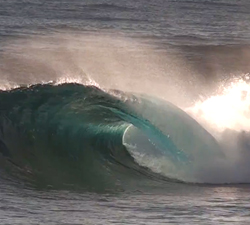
{"x": 76, "y": 135}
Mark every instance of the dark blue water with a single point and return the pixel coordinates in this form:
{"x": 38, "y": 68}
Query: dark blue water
{"x": 92, "y": 127}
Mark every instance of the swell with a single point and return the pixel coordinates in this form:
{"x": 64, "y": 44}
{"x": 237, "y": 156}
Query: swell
{"x": 65, "y": 135}
{"x": 75, "y": 135}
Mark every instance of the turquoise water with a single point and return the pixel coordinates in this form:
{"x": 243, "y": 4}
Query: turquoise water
{"x": 70, "y": 128}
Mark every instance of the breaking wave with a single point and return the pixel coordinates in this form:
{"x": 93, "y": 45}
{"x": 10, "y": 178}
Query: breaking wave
{"x": 72, "y": 134}
{"x": 77, "y": 133}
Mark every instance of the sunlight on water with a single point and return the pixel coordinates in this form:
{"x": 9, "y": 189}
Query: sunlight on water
{"x": 229, "y": 109}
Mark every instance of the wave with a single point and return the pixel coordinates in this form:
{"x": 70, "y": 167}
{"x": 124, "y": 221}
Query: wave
{"x": 77, "y": 135}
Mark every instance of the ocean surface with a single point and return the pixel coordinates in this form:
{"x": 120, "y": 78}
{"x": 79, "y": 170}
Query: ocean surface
{"x": 124, "y": 112}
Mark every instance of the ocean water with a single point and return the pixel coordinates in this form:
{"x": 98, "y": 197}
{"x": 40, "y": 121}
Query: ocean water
{"x": 124, "y": 112}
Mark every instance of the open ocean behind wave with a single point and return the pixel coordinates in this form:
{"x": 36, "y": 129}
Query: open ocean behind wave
{"x": 124, "y": 112}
